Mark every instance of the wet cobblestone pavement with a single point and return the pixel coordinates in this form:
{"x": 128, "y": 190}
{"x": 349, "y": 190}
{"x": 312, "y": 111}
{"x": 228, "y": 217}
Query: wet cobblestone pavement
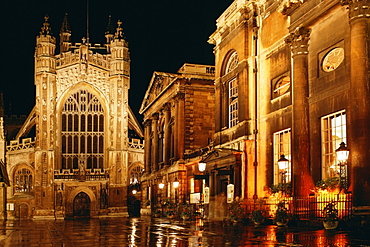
{"x": 146, "y": 231}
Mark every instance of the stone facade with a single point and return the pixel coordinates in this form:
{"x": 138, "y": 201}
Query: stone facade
{"x": 178, "y": 118}
{"x": 290, "y": 79}
{"x": 79, "y": 163}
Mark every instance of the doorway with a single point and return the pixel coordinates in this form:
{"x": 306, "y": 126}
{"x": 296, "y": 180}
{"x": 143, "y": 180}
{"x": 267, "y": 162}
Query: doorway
{"x": 81, "y": 205}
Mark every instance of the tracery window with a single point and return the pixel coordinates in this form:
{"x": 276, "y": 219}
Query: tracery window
{"x": 135, "y": 174}
{"x": 334, "y": 132}
{"x": 233, "y": 102}
{"x": 23, "y": 181}
{"x": 82, "y": 132}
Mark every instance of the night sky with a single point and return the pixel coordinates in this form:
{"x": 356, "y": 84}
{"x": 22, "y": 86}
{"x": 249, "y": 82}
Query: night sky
{"x": 162, "y": 35}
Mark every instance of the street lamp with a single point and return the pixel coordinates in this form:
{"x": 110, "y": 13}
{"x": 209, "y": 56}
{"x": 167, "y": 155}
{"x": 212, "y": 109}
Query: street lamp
{"x": 283, "y": 164}
{"x": 161, "y": 185}
{"x": 176, "y": 184}
{"x": 342, "y": 155}
{"x": 202, "y": 166}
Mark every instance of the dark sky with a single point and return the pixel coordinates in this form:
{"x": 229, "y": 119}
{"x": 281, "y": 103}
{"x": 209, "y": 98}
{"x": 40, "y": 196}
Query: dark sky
{"x": 162, "y": 35}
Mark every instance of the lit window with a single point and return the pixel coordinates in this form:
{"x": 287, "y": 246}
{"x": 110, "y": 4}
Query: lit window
{"x": 333, "y": 129}
{"x": 135, "y": 174}
{"x": 23, "y": 181}
{"x": 233, "y": 103}
{"x": 82, "y": 132}
{"x": 282, "y": 147}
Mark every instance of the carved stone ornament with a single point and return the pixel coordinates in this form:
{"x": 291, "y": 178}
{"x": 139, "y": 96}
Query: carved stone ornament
{"x": 357, "y": 8}
{"x": 287, "y": 6}
{"x": 298, "y": 41}
{"x": 333, "y": 59}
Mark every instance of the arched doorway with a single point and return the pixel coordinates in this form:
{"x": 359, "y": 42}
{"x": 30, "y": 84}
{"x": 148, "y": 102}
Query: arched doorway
{"x": 81, "y": 205}
{"x": 23, "y": 211}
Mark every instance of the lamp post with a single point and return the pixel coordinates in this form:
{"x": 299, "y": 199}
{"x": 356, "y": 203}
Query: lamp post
{"x": 342, "y": 155}
{"x": 176, "y": 184}
{"x": 202, "y": 166}
{"x": 283, "y": 164}
{"x": 160, "y": 186}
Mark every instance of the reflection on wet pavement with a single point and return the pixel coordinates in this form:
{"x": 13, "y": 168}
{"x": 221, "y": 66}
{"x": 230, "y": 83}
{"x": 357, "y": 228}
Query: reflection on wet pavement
{"x": 148, "y": 231}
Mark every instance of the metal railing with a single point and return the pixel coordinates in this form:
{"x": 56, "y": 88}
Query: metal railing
{"x": 310, "y": 207}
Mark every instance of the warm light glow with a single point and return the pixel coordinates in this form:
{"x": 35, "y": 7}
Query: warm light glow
{"x": 176, "y": 183}
{"x": 342, "y": 152}
{"x": 134, "y": 192}
{"x": 202, "y": 166}
{"x": 283, "y": 163}
{"x": 161, "y": 185}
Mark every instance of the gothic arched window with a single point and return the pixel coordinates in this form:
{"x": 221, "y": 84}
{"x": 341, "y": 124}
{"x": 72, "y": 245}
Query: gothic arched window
{"x": 82, "y": 132}
{"x": 23, "y": 180}
{"x": 135, "y": 174}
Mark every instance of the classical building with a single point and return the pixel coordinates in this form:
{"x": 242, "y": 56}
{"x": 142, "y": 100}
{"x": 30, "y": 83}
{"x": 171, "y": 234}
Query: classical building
{"x": 291, "y": 79}
{"x": 178, "y": 110}
{"x": 87, "y": 144}
{"x": 291, "y": 91}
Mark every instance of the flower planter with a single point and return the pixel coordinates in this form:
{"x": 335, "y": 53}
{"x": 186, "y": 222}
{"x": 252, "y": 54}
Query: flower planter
{"x": 330, "y": 225}
{"x": 185, "y": 217}
{"x": 281, "y": 224}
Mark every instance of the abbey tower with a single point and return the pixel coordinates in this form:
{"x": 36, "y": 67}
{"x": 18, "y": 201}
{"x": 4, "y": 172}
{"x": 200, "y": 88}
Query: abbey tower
{"x": 86, "y": 147}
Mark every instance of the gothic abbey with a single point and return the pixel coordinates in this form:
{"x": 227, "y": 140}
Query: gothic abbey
{"x": 86, "y": 147}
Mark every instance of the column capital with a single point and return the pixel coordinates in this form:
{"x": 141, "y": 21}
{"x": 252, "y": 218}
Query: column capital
{"x": 357, "y": 8}
{"x": 155, "y": 116}
{"x": 167, "y": 107}
{"x": 180, "y": 96}
{"x": 147, "y": 122}
{"x": 298, "y": 41}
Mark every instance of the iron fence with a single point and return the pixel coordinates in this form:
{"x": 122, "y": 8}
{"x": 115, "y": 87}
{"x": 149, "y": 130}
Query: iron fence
{"x": 309, "y": 207}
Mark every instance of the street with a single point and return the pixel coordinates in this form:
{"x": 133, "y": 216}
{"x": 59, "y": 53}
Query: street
{"x": 159, "y": 232}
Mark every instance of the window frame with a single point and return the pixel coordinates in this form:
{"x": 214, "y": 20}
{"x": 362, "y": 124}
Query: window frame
{"x": 328, "y": 144}
{"x": 285, "y": 142}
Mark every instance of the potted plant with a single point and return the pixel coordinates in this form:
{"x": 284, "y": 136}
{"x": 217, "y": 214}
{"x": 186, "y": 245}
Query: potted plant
{"x": 329, "y": 184}
{"x": 257, "y": 217}
{"x": 281, "y": 214}
{"x": 170, "y": 208}
{"x": 236, "y": 213}
{"x": 186, "y": 211}
{"x": 330, "y": 213}
{"x": 157, "y": 211}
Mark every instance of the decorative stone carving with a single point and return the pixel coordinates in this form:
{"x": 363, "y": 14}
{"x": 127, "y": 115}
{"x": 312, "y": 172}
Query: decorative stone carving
{"x": 357, "y": 9}
{"x": 298, "y": 41}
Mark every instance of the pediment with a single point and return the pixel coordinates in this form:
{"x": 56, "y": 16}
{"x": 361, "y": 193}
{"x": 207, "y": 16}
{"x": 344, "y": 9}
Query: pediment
{"x": 158, "y": 84}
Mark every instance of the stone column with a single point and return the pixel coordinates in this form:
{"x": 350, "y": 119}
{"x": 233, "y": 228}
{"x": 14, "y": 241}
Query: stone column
{"x": 180, "y": 126}
{"x": 155, "y": 141}
{"x": 301, "y": 179}
{"x": 238, "y": 175}
{"x": 359, "y": 102}
{"x": 147, "y": 154}
{"x": 167, "y": 133}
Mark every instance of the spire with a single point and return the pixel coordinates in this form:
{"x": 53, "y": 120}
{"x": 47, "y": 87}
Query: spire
{"x": 46, "y": 29}
{"x": 65, "y": 25}
{"x": 119, "y": 31}
{"x": 65, "y": 35}
{"x": 110, "y": 30}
